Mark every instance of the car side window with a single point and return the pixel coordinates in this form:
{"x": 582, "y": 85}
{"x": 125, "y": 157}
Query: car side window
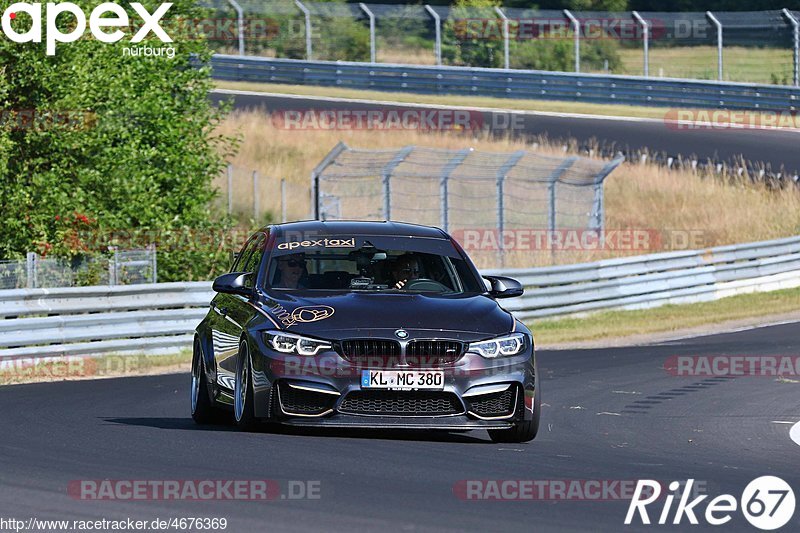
{"x": 241, "y": 259}
{"x": 254, "y": 259}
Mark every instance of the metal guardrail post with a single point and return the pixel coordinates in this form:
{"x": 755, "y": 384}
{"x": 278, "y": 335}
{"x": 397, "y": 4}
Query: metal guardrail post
{"x": 795, "y": 44}
{"x": 576, "y": 28}
{"x": 113, "y": 267}
{"x": 718, "y": 24}
{"x": 154, "y": 260}
{"x": 307, "y": 15}
{"x": 386, "y": 177}
{"x": 371, "y": 16}
{"x": 239, "y": 24}
{"x": 645, "y": 41}
{"x": 438, "y": 46}
{"x": 505, "y": 36}
{"x": 444, "y": 194}
{"x": 30, "y": 270}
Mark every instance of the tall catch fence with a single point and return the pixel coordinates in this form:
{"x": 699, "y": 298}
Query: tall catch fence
{"x": 463, "y": 191}
{"x": 754, "y": 46}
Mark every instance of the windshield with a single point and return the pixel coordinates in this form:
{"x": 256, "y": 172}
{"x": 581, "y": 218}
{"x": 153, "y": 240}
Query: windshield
{"x": 370, "y": 263}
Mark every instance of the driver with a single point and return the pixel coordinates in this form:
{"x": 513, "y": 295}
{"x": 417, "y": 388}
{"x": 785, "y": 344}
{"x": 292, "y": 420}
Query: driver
{"x": 405, "y": 269}
{"x": 291, "y": 269}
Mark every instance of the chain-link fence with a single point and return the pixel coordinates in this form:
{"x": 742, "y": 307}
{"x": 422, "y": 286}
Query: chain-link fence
{"x": 123, "y": 267}
{"x": 757, "y": 46}
{"x": 250, "y": 194}
{"x": 465, "y": 192}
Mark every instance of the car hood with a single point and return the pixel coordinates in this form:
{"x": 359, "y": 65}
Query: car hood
{"x": 346, "y": 315}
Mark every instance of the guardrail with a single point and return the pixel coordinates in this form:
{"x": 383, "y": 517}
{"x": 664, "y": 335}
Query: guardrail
{"x": 161, "y": 317}
{"x": 657, "y": 279}
{"x": 507, "y": 83}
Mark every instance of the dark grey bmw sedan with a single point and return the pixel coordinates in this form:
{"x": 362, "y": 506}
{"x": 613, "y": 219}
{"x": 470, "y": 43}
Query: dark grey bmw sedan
{"x": 364, "y": 325}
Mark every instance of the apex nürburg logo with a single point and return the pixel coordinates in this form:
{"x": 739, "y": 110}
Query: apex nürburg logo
{"x": 102, "y": 17}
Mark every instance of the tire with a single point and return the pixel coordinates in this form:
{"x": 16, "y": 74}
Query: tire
{"x": 524, "y": 431}
{"x": 243, "y": 409}
{"x": 203, "y": 409}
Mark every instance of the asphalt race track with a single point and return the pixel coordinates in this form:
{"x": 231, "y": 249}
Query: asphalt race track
{"x": 609, "y": 414}
{"x": 778, "y": 149}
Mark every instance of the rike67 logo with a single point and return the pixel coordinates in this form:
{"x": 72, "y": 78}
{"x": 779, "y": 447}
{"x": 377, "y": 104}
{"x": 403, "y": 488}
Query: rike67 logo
{"x": 767, "y": 502}
{"x": 101, "y": 22}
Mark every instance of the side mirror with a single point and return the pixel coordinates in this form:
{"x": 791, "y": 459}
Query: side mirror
{"x": 232, "y": 283}
{"x": 503, "y": 287}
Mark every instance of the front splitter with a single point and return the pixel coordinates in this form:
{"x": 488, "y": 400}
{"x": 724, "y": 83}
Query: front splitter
{"x": 399, "y": 422}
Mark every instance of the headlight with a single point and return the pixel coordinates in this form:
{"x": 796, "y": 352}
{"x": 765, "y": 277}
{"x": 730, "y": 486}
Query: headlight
{"x": 501, "y": 346}
{"x": 290, "y": 343}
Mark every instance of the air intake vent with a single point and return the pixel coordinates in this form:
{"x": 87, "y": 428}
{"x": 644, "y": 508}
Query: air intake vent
{"x": 304, "y": 402}
{"x": 494, "y": 405}
{"x": 395, "y": 403}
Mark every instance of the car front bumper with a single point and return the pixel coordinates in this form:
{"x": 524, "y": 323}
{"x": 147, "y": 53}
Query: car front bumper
{"x": 325, "y": 390}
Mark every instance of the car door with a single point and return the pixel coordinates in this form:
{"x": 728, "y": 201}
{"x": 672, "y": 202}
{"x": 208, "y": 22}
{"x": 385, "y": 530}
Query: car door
{"x": 234, "y": 312}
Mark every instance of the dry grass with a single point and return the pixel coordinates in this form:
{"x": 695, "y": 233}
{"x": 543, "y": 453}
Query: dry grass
{"x": 637, "y": 196}
{"x": 756, "y": 65}
{"x": 405, "y": 55}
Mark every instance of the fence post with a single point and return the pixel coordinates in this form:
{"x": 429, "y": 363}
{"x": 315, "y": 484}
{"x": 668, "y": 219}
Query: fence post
{"x": 230, "y": 188}
{"x": 501, "y": 207}
{"x": 551, "y": 190}
{"x": 437, "y": 50}
{"x": 30, "y": 270}
{"x": 386, "y": 176}
{"x": 371, "y": 16}
{"x": 307, "y": 15}
{"x": 283, "y": 199}
{"x": 718, "y": 24}
{"x": 315, "y": 174}
{"x": 444, "y": 199}
{"x": 645, "y": 40}
{"x": 505, "y": 36}
{"x": 239, "y": 24}
{"x": 795, "y": 44}
{"x": 576, "y": 27}
{"x": 597, "y": 222}
{"x": 255, "y": 196}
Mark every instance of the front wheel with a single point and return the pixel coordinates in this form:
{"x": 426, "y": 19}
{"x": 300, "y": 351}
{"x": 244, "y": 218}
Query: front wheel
{"x": 524, "y": 431}
{"x": 203, "y": 410}
{"x": 243, "y": 390}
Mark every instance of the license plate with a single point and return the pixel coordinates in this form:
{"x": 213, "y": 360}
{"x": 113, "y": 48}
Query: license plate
{"x": 402, "y": 379}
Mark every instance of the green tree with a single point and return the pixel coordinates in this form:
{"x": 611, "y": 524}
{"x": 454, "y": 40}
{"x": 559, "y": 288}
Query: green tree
{"x": 126, "y": 141}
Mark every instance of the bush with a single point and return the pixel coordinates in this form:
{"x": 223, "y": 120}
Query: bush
{"x": 558, "y": 54}
{"x": 138, "y": 150}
